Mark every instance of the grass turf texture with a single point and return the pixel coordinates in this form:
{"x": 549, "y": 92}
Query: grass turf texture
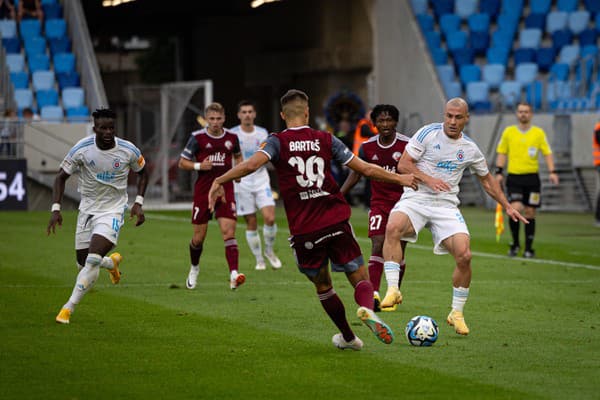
{"x": 534, "y": 323}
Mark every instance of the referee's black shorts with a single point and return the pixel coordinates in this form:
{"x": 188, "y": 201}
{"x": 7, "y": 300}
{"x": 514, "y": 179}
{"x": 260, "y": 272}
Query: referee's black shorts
{"x": 524, "y": 188}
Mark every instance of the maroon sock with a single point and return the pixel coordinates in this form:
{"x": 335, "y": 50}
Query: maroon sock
{"x": 375, "y": 271}
{"x": 334, "y": 307}
{"x": 363, "y": 294}
{"x": 232, "y": 253}
{"x": 195, "y": 252}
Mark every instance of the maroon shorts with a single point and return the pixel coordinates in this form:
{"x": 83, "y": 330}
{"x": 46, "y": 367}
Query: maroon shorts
{"x": 378, "y": 218}
{"x": 201, "y": 214}
{"x": 335, "y": 243}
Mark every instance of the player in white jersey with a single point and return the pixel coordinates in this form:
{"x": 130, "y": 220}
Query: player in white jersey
{"x": 103, "y": 163}
{"x": 438, "y": 154}
{"x": 253, "y": 192}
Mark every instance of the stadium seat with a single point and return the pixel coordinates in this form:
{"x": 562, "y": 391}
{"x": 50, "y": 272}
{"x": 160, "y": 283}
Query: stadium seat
{"x": 442, "y": 7}
{"x": 20, "y": 80}
{"x": 64, "y": 62}
{"x": 593, "y": 6}
{"x": 449, "y": 23}
{"x": 8, "y": 28}
{"x": 479, "y": 23}
{"x": 52, "y": 11}
{"x": 540, "y": 6}
{"x": 453, "y": 89}
{"x": 73, "y": 97}
{"x": 526, "y": 73}
{"x": 544, "y": 57}
{"x": 432, "y": 38}
{"x": 446, "y": 73}
{"x": 463, "y": 56}
{"x": 29, "y": 28}
{"x": 34, "y": 45}
{"x": 588, "y": 36}
{"x": 42, "y": 80}
{"x": 533, "y": 94}
{"x": 559, "y": 72}
{"x": 502, "y": 38}
{"x": 78, "y": 114}
{"x": 493, "y": 74}
{"x": 508, "y": 22}
{"x": 578, "y": 21}
{"x": 569, "y": 54}
{"x": 497, "y": 55}
{"x": 490, "y": 7}
{"x": 12, "y": 45}
{"x": 419, "y": 6}
{"x": 512, "y": 8}
{"x": 426, "y": 22}
{"x": 561, "y": 38}
{"x": 59, "y": 45}
{"x": 558, "y": 90}
{"x": 477, "y": 94}
{"x": 48, "y": 1}
{"x": 530, "y": 38}
{"x": 469, "y": 73}
{"x": 510, "y": 92}
{"x": 456, "y": 40}
{"x": 23, "y": 98}
{"x": 567, "y": 5}
{"x": 524, "y": 56}
{"x": 465, "y": 8}
{"x": 66, "y": 79}
{"x": 439, "y": 56}
{"x": 47, "y": 97}
{"x": 479, "y": 42}
{"x": 55, "y": 28}
{"x": 535, "y": 20}
{"x": 556, "y": 20}
{"x": 52, "y": 113}
{"x": 38, "y": 62}
{"x": 15, "y": 62}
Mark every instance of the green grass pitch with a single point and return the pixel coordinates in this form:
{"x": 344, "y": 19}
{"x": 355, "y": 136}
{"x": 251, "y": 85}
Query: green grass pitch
{"x": 535, "y": 324}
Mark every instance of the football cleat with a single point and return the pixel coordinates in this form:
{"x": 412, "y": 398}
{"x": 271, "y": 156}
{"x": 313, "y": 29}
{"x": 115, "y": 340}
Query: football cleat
{"x": 338, "y": 341}
{"x": 114, "y": 273}
{"x": 376, "y": 302}
{"x": 380, "y": 329}
{"x": 529, "y": 253}
{"x": 457, "y": 320}
{"x": 190, "y": 283}
{"x": 260, "y": 266}
{"x": 273, "y": 259}
{"x": 239, "y": 280}
{"x": 64, "y": 316}
{"x": 514, "y": 250}
{"x": 392, "y": 297}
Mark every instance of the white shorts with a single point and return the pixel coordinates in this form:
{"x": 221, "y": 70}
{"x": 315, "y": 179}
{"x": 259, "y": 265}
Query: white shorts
{"x": 107, "y": 225}
{"x": 442, "y": 220}
{"x": 250, "y": 202}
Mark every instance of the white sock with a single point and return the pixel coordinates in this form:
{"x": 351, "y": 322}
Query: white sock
{"x": 107, "y": 263}
{"x": 85, "y": 280}
{"x": 195, "y": 267}
{"x": 253, "y": 239}
{"x": 392, "y": 273}
{"x": 234, "y": 274}
{"x": 269, "y": 232}
{"x": 459, "y": 298}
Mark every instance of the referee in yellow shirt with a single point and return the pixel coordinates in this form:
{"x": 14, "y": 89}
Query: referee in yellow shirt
{"x": 521, "y": 144}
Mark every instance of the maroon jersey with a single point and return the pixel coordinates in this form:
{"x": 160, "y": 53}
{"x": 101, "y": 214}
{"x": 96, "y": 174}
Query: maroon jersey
{"x": 384, "y": 194}
{"x": 302, "y": 157}
{"x": 219, "y": 150}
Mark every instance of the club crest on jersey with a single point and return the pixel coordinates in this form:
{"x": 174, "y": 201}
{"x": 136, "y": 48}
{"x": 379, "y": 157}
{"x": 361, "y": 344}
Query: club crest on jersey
{"x": 228, "y": 144}
{"x": 116, "y": 163}
{"x": 309, "y": 245}
{"x": 396, "y": 156}
{"x": 460, "y": 155}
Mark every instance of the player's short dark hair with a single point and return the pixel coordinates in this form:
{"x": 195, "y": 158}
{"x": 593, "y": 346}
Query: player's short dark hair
{"x": 293, "y": 94}
{"x": 104, "y": 113}
{"x": 385, "y": 109}
{"x": 524, "y": 103}
{"x": 245, "y": 102}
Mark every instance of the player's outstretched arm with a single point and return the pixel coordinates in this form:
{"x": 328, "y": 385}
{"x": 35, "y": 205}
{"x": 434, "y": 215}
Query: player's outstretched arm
{"x": 57, "y": 194}
{"x": 137, "y": 210}
{"x": 493, "y": 188}
{"x": 373, "y": 171}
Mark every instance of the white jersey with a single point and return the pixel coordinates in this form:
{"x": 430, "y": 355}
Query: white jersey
{"x": 102, "y": 173}
{"x": 441, "y": 157}
{"x": 249, "y": 144}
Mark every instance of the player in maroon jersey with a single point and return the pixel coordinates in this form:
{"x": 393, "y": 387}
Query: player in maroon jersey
{"x": 385, "y": 150}
{"x": 317, "y": 213}
{"x": 211, "y": 151}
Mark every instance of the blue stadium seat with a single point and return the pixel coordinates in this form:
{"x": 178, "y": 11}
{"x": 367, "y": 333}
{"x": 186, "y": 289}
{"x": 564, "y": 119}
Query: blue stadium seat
{"x": 537, "y": 21}
{"x": 47, "y": 97}
{"x": 64, "y": 62}
{"x": 530, "y": 38}
{"x": 465, "y": 8}
{"x": 561, "y": 38}
{"x": 29, "y": 28}
{"x": 524, "y": 56}
{"x": 456, "y": 40}
{"x": 490, "y": 7}
{"x": 449, "y": 23}
{"x": 426, "y": 22}
{"x": 533, "y": 94}
{"x": 432, "y": 38}
{"x": 38, "y": 62}
{"x": 442, "y": 7}
{"x": 526, "y": 73}
{"x": 493, "y": 74}
{"x": 479, "y": 22}
{"x": 73, "y": 97}
{"x": 540, "y": 6}
{"x": 544, "y": 57}
{"x": 12, "y": 45}
{"x": 20, "y": 80}
{"x": 497, "y": 55}
{"x": 52, "y": 11}
{"x": 569, "y": 54}
{"x": 469, "y": 73}
{"x": 509, "y": 22}
{"x": 8, "y": 28}
{"x": 439, "y": 56}
{"x": 510, "y": 92}
{"x": 502, "y": 38}
{"x": 556, "y": 20}
{"x": 15, "y": 62}
{"x": 52, "y": 113}
{"x": 78, "y": 114}
{"x": 55, "y": 28}
{"x": 513, "y": 7}
{"x": 42, "y": 80}
{"x": 419, "y": 6}
{"x": 34, "y": 45}
{"x": 23, "y": 98}
{"x": 567, "y": 5}
{"x": 477, "y": 94}
{"x": 66, "y": 79}
{"x": 593, "y": 6}
{"x": 578, "y": 21}
{"x": 453, "y": 89}
{"x": 446, "y": 73}
{"x": 479, "y": 42}
{"x": 558, "y": 90}
{"x": 59, "y": 45}
{"x": 588, "y": 36}
{"x": 559, "y": 72}
{"x": 48, "y": 1}
{"x": 463, "y": 56}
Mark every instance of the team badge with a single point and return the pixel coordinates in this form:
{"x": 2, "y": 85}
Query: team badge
{"x": 460, "y": 155}
{"x": 309, "y": 245}
{"x": 228, "y": 144}
{"x": 116, "y": 163}
{"x": 396, "y": 156}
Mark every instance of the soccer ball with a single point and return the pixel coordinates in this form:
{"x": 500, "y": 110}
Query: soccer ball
{"x": 421, "y": 331}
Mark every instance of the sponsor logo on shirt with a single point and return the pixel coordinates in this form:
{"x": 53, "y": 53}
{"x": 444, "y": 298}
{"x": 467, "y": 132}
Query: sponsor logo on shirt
{"x": 447, "y": 166}
{"x": 106, "y": 176}
{"x": 217, "y": 158}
